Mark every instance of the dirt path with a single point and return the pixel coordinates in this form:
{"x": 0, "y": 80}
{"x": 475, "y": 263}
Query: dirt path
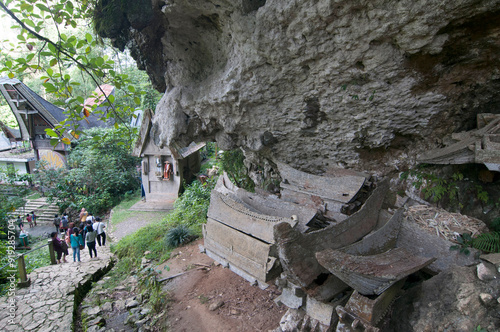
{"x": 215, "y": 298}
{"x": 207, "y": 297}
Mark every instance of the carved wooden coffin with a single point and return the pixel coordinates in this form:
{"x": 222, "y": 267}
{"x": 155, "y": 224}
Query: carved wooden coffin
{"x": 312, "y": 190}
{"x": 256, "y": 258}
{"x": 480, "y": 146}
{"x": 372, "y": 275}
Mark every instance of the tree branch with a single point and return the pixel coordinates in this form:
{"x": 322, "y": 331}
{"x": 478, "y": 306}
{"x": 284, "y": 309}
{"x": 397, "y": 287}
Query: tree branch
{"x": 67, "y": 54}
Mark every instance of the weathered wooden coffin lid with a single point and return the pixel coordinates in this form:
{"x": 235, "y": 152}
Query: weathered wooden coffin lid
{"x": 488, "y": 152}
{"x": 351, "y": 229}
{"x": 372, "y": 275}
{"x": 341, "y": 189}
{"x": 297, "y": 250}
{"x": 380, "y": 240}
{"x": 463, "y": 151}
{"x": 225, "y": 209}
{"x": 271, "y": 206}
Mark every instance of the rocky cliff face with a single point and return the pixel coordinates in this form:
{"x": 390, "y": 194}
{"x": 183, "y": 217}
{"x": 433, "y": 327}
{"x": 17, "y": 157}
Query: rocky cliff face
{"x": 366, "y": 84}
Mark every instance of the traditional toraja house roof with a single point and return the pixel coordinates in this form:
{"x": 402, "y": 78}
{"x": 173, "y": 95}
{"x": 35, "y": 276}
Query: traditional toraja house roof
{"x": 35, "y": 114}
{"x": 481, "y": 146}
{"x": 98, "y": 97}
{"x": 25, "y": 102}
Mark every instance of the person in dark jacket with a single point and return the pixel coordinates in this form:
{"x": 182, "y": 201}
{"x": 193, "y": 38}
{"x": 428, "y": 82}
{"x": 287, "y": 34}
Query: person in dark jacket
{"x": 59, "y": 247}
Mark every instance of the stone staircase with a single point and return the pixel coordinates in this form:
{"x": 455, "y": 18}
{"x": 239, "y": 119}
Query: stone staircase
{"x": 42, "y": 208}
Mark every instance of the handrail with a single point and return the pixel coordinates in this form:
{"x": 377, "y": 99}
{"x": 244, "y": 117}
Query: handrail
{"x": 25, "y": 253}
{"x": 22, "y": 267}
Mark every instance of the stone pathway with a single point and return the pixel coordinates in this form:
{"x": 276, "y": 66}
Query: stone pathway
{"x": 49, "y": 303}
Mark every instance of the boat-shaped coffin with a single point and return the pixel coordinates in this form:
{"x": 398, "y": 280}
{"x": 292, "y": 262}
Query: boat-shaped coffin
{"x": 307, "y": 189}
{"x": 372, "y": 275}
{"x": 252, "y": 214}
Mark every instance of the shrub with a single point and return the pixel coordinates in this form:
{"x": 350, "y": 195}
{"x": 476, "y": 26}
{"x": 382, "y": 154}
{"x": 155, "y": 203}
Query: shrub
{"x": 101, "y": 171}
{"x": 192, "y": 207}
{"x": 178, "y": 235}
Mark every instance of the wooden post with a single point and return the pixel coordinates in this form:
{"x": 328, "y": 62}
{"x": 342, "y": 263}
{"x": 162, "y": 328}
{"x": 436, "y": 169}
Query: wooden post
{"x": 25, "y": 282}
{"x": 52, "y": 253}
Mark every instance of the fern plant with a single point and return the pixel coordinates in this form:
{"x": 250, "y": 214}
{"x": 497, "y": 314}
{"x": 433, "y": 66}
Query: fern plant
{"x": 489, "y": 242}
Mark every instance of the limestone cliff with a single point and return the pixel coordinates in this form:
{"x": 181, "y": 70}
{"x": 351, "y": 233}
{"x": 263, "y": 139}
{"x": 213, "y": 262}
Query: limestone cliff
{"x": 366, "y": 84}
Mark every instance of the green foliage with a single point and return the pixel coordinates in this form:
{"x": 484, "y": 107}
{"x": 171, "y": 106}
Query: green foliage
{"x": 495, "y": 224}
{"x": 178, "y": 236}
{"x": 120, "y": 271}
{"x": 489, "y": 242}
{"x": 148, "y": 238}
{"x": 6, "y": 116}
{"x": 434, "y": 187}
{"x": 191, "y": 208}
{"x": 464, "y": 242}
{"x": 451, "y": 190}
{"x": 150, "y": 287}
{"x": 101, "y": 171}
{"x": 232, "y": 163}
{"x": 209, "y": 151}
{"x": 480, "y": 329}
{"x": 54, "y": 46}
{"x": 37, "y": 258}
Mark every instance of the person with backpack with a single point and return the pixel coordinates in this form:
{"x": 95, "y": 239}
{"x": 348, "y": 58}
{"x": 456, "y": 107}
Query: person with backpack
{"x": 64, "y": 222}
{"x": 57, "y": 223}
{"x": 99, "y": 228}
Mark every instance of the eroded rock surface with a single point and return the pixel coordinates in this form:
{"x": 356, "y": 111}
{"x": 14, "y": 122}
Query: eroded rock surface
{"x": 454, "y": 300}
{"x": 316, "y": 83}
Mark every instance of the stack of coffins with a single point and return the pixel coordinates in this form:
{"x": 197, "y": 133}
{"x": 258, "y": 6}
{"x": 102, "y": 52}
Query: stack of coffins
{"x": 239, "y": 230}
{"x": 347, "y": 266}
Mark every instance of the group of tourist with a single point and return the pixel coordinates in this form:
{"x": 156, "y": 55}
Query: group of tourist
{"x": 90, "y": 229}
{"x": 30, "y": 219}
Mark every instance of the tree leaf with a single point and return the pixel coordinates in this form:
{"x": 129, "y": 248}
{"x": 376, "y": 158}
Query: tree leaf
{"x": 51, "y": 133}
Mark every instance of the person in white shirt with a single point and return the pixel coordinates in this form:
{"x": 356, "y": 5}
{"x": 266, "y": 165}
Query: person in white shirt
{"x": 99, "y": 228}
{"x": 90, "y": 219}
